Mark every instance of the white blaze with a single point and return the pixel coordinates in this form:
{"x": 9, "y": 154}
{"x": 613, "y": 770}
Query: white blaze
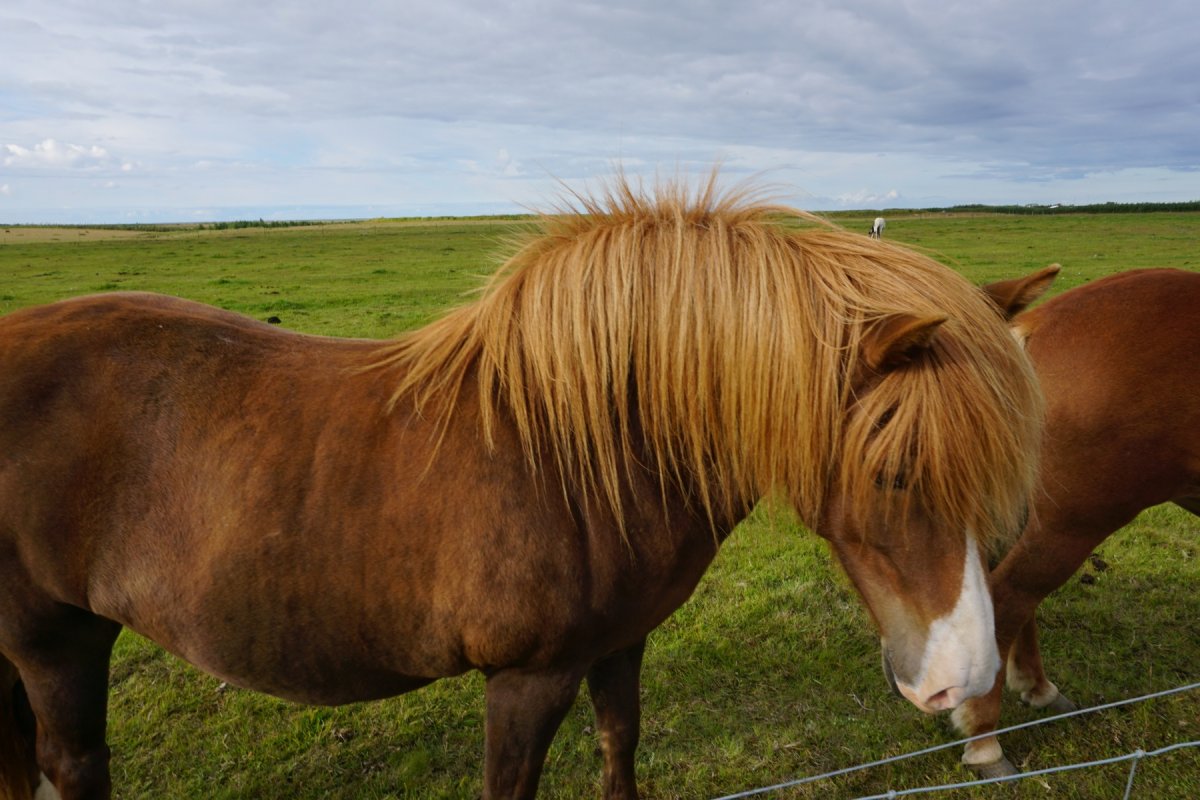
{"x": 960, "y": 656}
{"x": 46, "y": 790}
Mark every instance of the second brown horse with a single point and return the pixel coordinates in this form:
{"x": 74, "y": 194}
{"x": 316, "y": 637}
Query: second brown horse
{"x": 1119, "y": 363}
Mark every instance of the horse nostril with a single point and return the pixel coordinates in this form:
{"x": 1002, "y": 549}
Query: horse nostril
{"x": 946, "y": 699}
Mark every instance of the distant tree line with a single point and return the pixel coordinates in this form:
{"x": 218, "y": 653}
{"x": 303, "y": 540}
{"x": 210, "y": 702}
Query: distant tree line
{"x": 261, "y": 223}
{"x": 1094, "y": 208}
{"x": 167, "y": 227}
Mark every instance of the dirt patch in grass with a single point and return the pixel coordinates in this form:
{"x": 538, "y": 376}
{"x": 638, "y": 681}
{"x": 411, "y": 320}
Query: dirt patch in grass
{"x": 31, "y": 234}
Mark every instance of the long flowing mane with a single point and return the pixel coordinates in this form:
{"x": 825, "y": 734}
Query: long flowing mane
{"x": 713, "y": 337}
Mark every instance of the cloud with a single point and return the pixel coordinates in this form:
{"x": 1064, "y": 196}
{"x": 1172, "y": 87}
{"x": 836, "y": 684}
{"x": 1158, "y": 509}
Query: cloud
{"x": 864, "y": 198}
{"x": 5, "y": 189}
{"x": 508, "y": 166}
{"x": 50, "y": 153}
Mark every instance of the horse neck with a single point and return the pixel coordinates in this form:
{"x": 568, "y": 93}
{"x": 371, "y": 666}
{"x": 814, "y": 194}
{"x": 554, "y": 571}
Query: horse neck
{"x": 656, "y": 500}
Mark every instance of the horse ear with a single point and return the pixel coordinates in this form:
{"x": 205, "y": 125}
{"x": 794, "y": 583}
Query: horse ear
{"x": 1014, "y": 296}
{"x": 897, "y": 339}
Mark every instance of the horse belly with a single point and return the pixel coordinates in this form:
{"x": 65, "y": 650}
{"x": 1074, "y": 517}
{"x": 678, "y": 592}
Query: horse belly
{"x": 311, "y": 644}
{"x": 290, "y": 667}
{"x": 309, "y": 614}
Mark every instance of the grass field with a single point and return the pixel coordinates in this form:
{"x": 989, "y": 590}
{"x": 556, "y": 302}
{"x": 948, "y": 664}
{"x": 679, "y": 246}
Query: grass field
{"x": 769, "y": 673}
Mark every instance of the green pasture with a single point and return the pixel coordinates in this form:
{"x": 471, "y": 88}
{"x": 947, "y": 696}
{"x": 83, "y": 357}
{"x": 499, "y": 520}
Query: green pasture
{"x": 769, "y": 673}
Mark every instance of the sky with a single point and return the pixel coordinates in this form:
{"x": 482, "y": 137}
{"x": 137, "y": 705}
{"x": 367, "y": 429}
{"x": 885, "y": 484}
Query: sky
{"x": 168, "y": 111}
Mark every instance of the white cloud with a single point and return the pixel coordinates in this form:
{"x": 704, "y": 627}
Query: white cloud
{"x": 864, "y": 198}
{"x": 5, "y": 189}
{"x": 50, "y": 153}
{"x": 509, "y": 167}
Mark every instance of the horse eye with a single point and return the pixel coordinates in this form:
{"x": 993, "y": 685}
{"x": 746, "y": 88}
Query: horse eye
{"x": 897, "y": 482}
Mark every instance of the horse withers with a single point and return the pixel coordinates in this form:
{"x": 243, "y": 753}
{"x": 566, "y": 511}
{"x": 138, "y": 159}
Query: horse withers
{"x": 526, "y": 487}
{"x": 1118, "y": 363}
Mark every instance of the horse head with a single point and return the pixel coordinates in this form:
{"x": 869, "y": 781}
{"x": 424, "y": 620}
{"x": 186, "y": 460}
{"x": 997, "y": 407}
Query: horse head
{"x": 921, "y": 571}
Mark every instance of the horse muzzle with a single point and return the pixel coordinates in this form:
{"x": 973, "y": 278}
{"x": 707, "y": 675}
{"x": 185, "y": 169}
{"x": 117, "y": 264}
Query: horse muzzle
{"x": 940, "y": 663}
{"x": 944, "y": 690}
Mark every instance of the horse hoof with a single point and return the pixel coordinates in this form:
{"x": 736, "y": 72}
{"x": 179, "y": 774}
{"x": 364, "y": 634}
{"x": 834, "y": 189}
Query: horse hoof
{"x": 1001, "y": 768}
{"x": 1061, "y": 705}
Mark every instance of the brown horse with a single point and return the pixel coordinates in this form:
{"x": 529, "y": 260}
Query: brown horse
{"x": 526, "y": 487}
{"x": 1118, "y": 363}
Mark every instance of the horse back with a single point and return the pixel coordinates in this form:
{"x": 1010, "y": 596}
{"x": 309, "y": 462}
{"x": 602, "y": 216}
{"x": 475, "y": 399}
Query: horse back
{"x": 1131, "y": 326}
{"x": 1118, "y": 362}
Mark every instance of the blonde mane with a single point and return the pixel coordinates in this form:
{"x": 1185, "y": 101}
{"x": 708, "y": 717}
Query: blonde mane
{"x": 713, "y": 338}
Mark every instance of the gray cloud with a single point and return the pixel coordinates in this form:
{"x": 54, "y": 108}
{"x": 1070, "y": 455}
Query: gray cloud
{"x": 482, "y": 102}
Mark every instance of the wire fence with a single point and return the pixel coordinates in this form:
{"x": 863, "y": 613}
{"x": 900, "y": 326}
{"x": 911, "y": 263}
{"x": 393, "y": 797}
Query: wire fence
{"x": 1133, "y": 758}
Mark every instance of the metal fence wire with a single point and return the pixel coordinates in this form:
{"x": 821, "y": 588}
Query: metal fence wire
{"x": 1133, "y": 758}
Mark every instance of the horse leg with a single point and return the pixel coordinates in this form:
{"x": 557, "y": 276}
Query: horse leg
{"x": 1041, "y": 561}
{"x": 1027, "y": 675}
{"x": 981, "y": 715}
{"x": 614, "y": 685}
{"x": 18, "y": 737}
{"x": 524, "y": 710}
{"x": 1023, "y": 673}
{"x": 66, "y": 682}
